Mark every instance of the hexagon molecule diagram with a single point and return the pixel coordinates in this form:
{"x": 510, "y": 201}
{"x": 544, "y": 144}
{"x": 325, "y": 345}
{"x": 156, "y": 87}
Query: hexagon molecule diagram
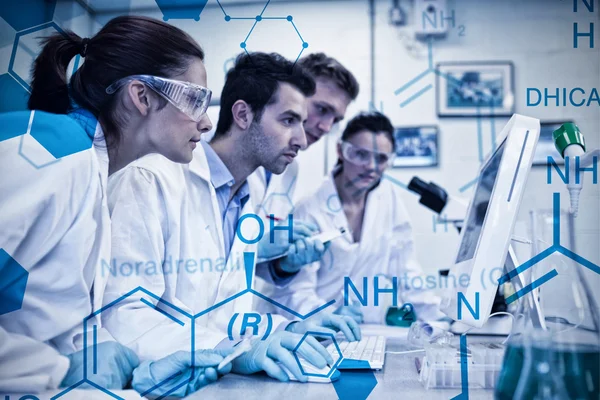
{"x": 181, "y": 9}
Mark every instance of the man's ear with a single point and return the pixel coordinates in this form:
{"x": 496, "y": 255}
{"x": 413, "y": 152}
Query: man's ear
{"x": 138, "y": 95}
{"x": 242, "y": 114}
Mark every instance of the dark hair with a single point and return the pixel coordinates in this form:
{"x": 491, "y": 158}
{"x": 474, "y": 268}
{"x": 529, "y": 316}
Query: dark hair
{"x": 320, "y": 65}
{"x": 255, "y": 78}
{"x": 126, "y": 45}
{"x": 373, "y": 122}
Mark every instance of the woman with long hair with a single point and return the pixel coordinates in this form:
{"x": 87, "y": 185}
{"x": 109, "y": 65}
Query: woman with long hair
{"x": 141, "y": 90}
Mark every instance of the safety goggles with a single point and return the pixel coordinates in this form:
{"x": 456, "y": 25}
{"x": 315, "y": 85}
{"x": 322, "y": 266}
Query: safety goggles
{"x": 362, "y": 157}
{"x": 191, "y": 99}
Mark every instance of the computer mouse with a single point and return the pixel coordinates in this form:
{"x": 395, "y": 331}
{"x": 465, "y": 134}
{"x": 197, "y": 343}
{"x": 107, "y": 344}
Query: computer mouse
{"x": 311, "y": 369}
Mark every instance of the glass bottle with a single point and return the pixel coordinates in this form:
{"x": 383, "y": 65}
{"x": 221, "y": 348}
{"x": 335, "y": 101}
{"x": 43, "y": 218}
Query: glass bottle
{"x": 562, "y": 312}
{"x": 539, "y": 379}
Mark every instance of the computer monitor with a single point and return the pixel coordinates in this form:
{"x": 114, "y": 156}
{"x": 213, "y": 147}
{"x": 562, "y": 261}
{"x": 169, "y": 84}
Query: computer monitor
{"x": 490, "y": 219}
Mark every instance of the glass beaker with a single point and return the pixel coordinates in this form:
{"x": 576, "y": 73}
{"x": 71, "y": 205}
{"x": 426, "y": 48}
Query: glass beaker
{"x": 540, "y": 379}
{"x": 564, "y": 308}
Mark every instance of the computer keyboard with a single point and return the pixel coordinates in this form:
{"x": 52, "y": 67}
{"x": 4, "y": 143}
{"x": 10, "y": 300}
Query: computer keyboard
{"x": 368, "y": 353}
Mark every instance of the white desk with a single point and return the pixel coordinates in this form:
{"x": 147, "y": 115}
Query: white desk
{"x": 397, "y": 380}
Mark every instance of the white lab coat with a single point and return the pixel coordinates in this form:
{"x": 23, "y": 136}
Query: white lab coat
{"x": 28, "y": 365}
{"x": 386, "y": 248}
{"x": 55, "y": 224}
{"x": 161, "y": 212}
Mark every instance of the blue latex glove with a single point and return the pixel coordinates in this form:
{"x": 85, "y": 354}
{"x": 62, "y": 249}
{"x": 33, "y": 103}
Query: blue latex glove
{"x": 328, "y": 323}
{"x": 114, "y": 366}
{"x": 151, "y": 373}
{"x": 302, "y": 252}
{"x": 278, "y": 347}
{"x": 353, "y": 311}
{"x": 281, "y": 240}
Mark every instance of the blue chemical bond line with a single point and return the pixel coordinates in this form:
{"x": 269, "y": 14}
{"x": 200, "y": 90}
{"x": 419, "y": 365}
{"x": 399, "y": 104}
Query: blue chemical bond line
{"x": 464, "y": 370}
{"x": 556, "y": 247}
{"x": 333, "y": 366}
{"x": 429, "y": 70}
{"x": 438, "y": 221}
{"x": 14, "y": 283}
{"x": 286, "y": 195}
{"x": 28, "y": 31}
{"x": 181, "y": 9}
{"x": 480, "y": 157}
{"x": 249, "y": 258}
{"x": 260, "y": 18}
{"x": 480, "y": 151}
{"x": 12, "y": 74}
{"x": 29, "y": 160}
{"x": 228, "y": 64}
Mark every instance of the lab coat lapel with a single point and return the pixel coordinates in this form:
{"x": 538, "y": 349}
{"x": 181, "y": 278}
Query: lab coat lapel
{"x": 199, "y": 167}
{"x": 369, "y": 225}
{"x": 228, "y": 282}
{"x": 104, "y": 225}
{"x": 233, "y": 278}
{"x": 331, "y": 207}
{"x": 371, "y": 248}
{"x": 249, "y": 230}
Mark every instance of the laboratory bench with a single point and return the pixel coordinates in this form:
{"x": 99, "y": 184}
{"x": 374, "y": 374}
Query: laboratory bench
{"x": 397, "y": 380}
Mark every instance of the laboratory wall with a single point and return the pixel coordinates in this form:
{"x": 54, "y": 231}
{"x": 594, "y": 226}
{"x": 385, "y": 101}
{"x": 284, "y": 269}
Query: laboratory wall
{"x": 535, "y": 35}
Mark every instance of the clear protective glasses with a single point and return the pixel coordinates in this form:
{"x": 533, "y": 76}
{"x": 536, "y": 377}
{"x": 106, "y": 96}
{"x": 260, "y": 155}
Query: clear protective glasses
{"x": 362, "y": 157}
{"x": 189, "y": 98}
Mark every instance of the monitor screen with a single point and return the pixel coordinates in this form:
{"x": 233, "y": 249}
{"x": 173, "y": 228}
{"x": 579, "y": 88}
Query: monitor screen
{"x": 479, "y": 206}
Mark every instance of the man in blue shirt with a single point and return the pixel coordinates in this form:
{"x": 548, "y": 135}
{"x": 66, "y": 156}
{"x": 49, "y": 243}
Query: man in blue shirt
{"x": 230, "y": 202}
{"x": 261, "y": 124}
{"x": 186, "y": 216}
{"x": 336, "y": 87}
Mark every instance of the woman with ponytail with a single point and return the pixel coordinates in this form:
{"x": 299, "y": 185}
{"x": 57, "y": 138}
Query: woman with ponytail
{"x": 141, "y": 90}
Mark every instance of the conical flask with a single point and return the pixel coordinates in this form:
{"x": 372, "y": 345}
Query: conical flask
{"x": 562, "y": 307}
{"x": 539, "y": 379}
